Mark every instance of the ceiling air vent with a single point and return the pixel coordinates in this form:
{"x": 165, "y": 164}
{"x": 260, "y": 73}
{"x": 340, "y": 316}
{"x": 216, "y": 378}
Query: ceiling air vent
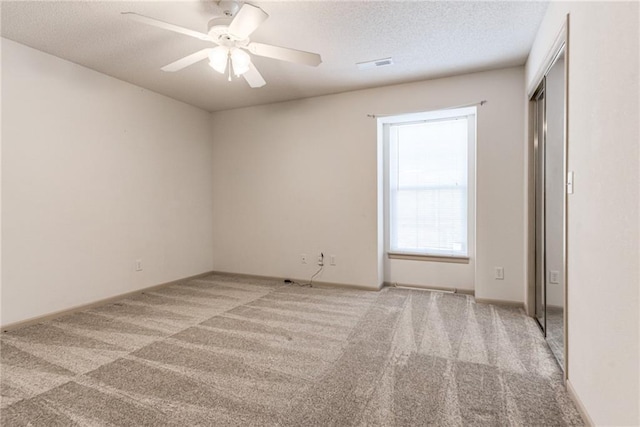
{"x": 375, "y": 63}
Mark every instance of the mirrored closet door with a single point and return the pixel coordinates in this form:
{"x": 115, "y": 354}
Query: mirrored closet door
{"x": 550, "y": 200}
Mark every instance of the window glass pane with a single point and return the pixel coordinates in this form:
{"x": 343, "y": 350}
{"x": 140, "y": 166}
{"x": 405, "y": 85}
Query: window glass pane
{"x": 433, "y": 153}
{"x": 428, "y": 187}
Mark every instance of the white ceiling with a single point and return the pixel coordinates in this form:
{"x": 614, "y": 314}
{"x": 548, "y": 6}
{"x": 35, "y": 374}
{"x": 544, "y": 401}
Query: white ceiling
{"x": 426, "y": 39}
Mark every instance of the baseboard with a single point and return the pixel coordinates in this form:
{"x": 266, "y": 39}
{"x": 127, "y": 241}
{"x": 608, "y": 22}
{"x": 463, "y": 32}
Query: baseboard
{"x": 430, "y": 288}
{"x": 56, "y": 314}
{"x": 518, "y": 304}
{"x": 248, "y": 276}
{"x": 345, "y": 285}
{"x": 315, "y": 283}
{"x": 583, "y": 411}
{"x": 49, "y": 316}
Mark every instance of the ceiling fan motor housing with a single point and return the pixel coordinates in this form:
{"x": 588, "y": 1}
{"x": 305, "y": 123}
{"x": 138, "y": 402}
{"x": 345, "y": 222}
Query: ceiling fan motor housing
{"x": 218, "y": 29}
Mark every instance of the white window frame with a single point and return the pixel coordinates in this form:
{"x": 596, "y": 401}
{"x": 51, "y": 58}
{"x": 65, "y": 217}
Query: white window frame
{"x": 384, "y": 126}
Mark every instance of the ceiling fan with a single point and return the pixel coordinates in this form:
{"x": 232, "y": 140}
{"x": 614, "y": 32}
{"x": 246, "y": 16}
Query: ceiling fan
{"x": 231, "y": 35}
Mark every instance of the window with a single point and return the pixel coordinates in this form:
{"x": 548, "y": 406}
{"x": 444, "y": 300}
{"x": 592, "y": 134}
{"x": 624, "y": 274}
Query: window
{"x": 429, "y": 182}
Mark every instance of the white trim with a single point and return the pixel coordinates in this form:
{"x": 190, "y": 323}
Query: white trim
{"x": 318, "y": 284}
{"x": 473, "y": 104}
{"x": 581, "y": 408}
{"x": 550, "y": 58}
{"x": 444, "y": 113}
{"x": 508, "y": 303}
{"x": 423, "y": 257}
{"x": 385, "y": 124}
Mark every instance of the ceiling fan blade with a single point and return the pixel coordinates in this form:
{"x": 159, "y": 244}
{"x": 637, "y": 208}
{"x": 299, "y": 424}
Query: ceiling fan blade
{"x": 246, "y": 21}
{"x": 285, "y": 54}
{"x": 187, "y": 60}
{"x": 253, "y": 77}
{"x": 166, "y": 26}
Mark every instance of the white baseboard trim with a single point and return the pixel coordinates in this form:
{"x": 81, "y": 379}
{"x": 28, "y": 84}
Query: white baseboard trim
{"x": 320, "y": 284}
{"x": 518, "y": 304}
{"x": 315, "y": 283}
{"x": 583, "y": 411}
{"x": 49, "y": 316}
{"x": 344, "y": 285}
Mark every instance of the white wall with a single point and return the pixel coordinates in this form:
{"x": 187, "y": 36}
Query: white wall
{"x": 302, "y": 177}
{"x": 603, "y": 213}
{"x": 96, "y": 173}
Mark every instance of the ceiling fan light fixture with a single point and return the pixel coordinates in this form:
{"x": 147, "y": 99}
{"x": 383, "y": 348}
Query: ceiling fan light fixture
{"x": 230, "y": 34}
{"x": 218, "y": 58}
{"x": 240, "y": 61}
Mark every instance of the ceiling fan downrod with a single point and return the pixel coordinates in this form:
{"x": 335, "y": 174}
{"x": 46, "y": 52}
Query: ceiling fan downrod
{"x": 229, "y": 7}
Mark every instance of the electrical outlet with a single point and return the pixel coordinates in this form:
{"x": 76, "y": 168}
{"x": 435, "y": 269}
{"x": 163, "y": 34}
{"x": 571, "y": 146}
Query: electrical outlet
{"x": 138, "y": 265}
{"x": 303, "y": 258}
{"x": 332, "y": 259}
{"x": 321, "y": 259}
{"x": 499, "y": 273}
{"x": 554, "y": 277}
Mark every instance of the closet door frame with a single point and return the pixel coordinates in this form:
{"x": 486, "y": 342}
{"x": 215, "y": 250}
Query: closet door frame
{"x": 560, "y": 43}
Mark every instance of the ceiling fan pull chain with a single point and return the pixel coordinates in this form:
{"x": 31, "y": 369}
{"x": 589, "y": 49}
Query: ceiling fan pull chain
{"x": 229, "y": 65}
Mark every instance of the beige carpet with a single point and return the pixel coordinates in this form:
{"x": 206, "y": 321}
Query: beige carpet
{"x": 226, "y": 350}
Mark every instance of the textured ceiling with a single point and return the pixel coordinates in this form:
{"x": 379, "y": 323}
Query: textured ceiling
{"x": 426, "y": 39}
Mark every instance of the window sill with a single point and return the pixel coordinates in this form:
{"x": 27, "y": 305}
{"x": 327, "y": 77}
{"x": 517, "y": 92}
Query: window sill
{"x": 433, "y": 258}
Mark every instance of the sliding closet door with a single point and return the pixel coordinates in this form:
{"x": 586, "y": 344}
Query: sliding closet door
{"x": 549, "y": 148}
{"x": 554, "y": 204}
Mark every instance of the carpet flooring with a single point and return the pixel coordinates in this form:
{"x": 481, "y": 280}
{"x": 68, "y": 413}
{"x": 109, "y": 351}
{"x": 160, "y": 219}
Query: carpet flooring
{"x": 227, "y": 350}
